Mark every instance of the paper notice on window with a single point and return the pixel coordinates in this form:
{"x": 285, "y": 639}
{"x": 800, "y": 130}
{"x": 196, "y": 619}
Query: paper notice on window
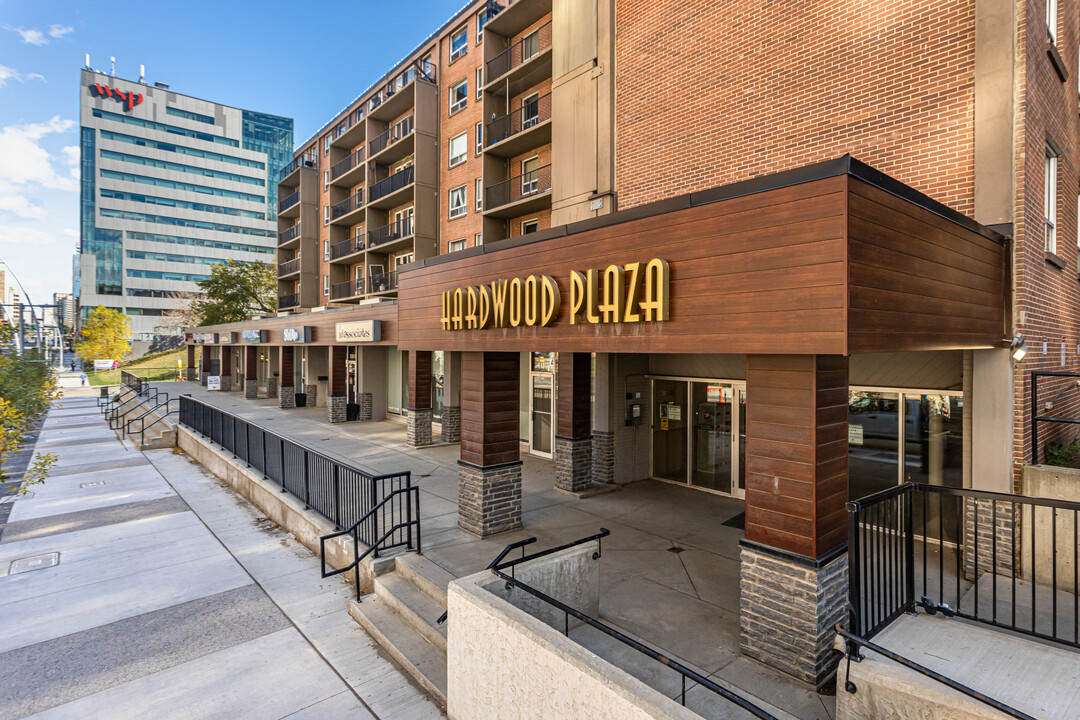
{"x": 854, "y": 434}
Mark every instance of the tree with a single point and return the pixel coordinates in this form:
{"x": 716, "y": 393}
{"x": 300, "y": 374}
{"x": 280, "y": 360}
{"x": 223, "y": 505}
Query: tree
{"x": 27, "y": 389}
{"x": 236, "y": 290}
{"x": 184, "y": 315}
{"x": 105, "y": 335}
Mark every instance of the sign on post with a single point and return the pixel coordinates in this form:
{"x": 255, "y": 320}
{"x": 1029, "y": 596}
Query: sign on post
{"x": 106, "y": 364}
{"x": 213, "y": 382}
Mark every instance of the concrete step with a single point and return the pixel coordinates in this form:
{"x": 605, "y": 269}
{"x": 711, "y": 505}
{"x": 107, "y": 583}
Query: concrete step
{"x": 426, "y": 575}
{"x": 422, "y": 660}
{"x": 416, "y": 608}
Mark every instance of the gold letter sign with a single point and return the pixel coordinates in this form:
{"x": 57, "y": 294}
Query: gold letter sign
{"x": 637, "y": 292}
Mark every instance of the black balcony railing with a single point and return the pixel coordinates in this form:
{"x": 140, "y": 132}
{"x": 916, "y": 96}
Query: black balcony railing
{"x": 396, "y": 230}
{"x": 288, "y": 234}
{"x": 302, "y": 161}
{"x": 522, "y": 51}
{"x": 530, "y": 114}
{"x": 395, "y": 182}
{"x": 347, "y": 247}
{"x": 354, "y": 202}
{"x": 289, "y": 267}
{"x": 400, "y": 130}
{"x": 517, "y": 188}
{"x": 285, "y": 302}
{"x": 347, "y": 164}
{"x": 349, "y": 288}
{"x": 289, "y": 201}
{"x": 383, "y": 282}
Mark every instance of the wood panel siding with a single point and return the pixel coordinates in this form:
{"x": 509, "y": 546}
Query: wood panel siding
{"x": 251, "y": 362}
{"x": 575, "y": 391}
{"x": 490, "y": 402}
{"x": 285, "y": 366}
{"x": 322, "y": 323}
{"x": 796, "y": 452}
{"x": 226, "y": 360}
{"x": 419, "y": 379}
{"x": 338, "y": 375}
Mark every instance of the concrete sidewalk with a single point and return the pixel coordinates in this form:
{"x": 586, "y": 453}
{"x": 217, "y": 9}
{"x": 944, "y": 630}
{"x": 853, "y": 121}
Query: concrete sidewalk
{"x": 171, "y": 598}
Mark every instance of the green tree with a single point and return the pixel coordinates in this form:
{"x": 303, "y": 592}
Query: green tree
{"x": 105, "y": 335}
{"x": 236, "y": 290}
{"x": 27, "y": 389}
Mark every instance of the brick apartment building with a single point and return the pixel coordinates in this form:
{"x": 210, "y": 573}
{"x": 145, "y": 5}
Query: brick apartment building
{"x": 822, "y": 326}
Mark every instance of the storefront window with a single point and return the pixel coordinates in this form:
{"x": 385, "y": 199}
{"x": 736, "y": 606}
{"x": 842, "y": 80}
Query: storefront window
{"x": 438, "y": 387}
{"x": 393, "y": 382}
{"x": 933, "y": 439}
{"x": 543, "y": 362}
{"x": 873, "y": 442}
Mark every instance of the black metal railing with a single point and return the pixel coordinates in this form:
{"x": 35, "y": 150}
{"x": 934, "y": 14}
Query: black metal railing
{"x": 157, "y": 416}
{"x": 352, "y": 245}
{"x": 398, "y": 131}
{"x": 1068, "y": 382}
{"x": 1003, "y": 560}
{"x": 346, "y": 206}
{"x": 288, "y": 201}
{"x": 535, "y": 182}
{"x": 395, "y": 182}
{"x": 133, "y": 381}
{"x": 396, "y": 230}
{"x": 373, "y": 507}
{"x": 383, "y": 282}
{"x": 499, "y": 565}
{"x": 117, "y": 415}
{"x": 289, "y": 267}
{"x": 302, "y": 161}
{"x": 520, "y": 52}
{"x": 288, "y": 234}
{"x": 530, "y": 114}
{"x": 349, "y": 288}
{"x": 288, "y": 301}
{"x": 351, "y": 120}
{"x": 353, "y": 160}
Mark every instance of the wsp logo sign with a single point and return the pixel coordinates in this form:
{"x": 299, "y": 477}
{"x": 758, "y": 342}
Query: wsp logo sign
{"x": 129, "y": 98}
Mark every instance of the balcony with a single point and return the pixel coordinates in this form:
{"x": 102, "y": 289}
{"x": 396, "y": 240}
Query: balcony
{"x": 288, "y": 268}
{"x": 383, "y": 282}
{"x": 522, "y": 65}
{"x": 290, "y": 205}
{"x": 386, "y": 193}
{"x": 396, "y": 96}
{"x": 346, "y": 250}
{"x": 519, "y": 195}
{"x": 525, "y": 129}
{"x": 385, "y": 237}
{"x": 347, "y": 173}
{"x": 285, "y": 176}
{"x": 347, "y": 212}
{"x": 288, "y": 235}
{"x": 350, "y": 131}
{"x": 388, "y": 148}
{"x": 286, "y": 302}
{"x": 347, "y": 290}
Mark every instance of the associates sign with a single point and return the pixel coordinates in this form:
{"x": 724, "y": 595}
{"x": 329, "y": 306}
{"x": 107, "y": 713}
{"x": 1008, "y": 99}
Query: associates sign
{"x": 632, "y": 293}
{"x": 358, "y": 331}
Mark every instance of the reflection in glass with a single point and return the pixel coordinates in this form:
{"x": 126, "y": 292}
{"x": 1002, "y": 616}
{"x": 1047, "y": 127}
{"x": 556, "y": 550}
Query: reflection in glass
{"x": 712, "y": 435}
{"x": 669, "y": 424}
{"x": 873, "y": 442}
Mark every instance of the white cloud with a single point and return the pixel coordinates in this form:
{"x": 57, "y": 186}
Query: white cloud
{"x": 19, "y": 206}
{"x": 7, "y": 73}
{"x": 23, "y": 161}
{"x": 30, "y": 37}
{"x": 70, "y": 232}
{"x": 25, "y": 236}
{"x": 59, "y": 31}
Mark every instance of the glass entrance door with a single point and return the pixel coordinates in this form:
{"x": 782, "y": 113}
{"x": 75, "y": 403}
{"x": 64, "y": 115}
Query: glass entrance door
{"x": 711, "y": 436}
{"x": 541, "y": 407}
{"x": 669, "y": 430}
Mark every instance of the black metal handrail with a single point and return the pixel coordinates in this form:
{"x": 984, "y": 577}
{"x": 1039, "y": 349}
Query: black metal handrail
{"x": 395, "y": 182}
{"x": 853, "y": 641}
{"x": 349, "y": 288}
{"x": 133, "y": 381}
{"x": 352, "y": 245}
{"x": 353, "y": 160}
{"x": 340, "y": 492}
{"x": 1036, "y": 418}
{"x": 383, "y": 282}
{"x": 142, "y": 421}
{"x": 535, "y": 182}
{"x": 398, "y": 131}
{"x": 520, "y": 52}
{"x": 346, "y": 206}
{"x": 396, "y": 230}
{"x": 288, "y": 234}
{"x": 288, "y": 201}
{"x": 288, "y": 301}
{"x": 497, "y": 567}
{"x": 289, "y": 267}
{"x": 368, "y": 525}
{"x": 529, "y": 115}
{"x": 958, "y": 552}
{"x": 116, "y": 417}
{"x": 113, "y": 400}
{"x": 154, "y": 407}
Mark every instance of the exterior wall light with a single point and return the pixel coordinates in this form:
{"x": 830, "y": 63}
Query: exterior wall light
{"x": 1019, "y": 349}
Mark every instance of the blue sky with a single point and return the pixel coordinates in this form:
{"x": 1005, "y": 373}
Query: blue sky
{"x": 304, "y": 60}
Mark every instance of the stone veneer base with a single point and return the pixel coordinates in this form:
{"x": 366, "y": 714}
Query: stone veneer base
{"x": 603, "y": 456}
{"x": 418, "y": 427}
{"x": 451, "y": 424}
{"x": 335, "y": 408}
{"x": 573, "y": 463}
{"x": 271, "y": 388}
{"x": 251, "y": 389}
{"x": 226, "y": 383}
{"x": 287, "y": 396}
{"x": 312, "y": 392}
{"x": 489, "y": 498}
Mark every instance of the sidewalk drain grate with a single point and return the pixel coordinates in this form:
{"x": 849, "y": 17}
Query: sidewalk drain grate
{"x": 96, "y": 483}
{"x": 34, "y": 562}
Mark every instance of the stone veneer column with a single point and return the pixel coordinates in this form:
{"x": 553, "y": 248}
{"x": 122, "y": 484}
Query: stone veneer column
{"x": 489, "y": 471}
{"x": 573, "y": 441}
{"x": 365, "y": 406}
{"x": 271, "y": 387}
{"x": 418, "y": 429}
{"x": 286, "y": 390}
{"x": 793, "y": 579}
{"x": 226, "y": 368}
{"x": 189, "y": 371}
{"x": 251, "y": 372}
{"x": 204, "y": 366}
{"x": 451, "y": 415}
{"x": 312, "y": 392}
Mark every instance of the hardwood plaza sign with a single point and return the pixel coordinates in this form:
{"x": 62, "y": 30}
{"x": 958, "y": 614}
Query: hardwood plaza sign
{"x": 632, "y": 293}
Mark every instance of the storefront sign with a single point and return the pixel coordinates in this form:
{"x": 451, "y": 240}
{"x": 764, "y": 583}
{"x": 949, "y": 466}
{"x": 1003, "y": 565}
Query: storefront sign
{"x": 213, "y": 382}
{"x": 637, "y": 292}
{"x": 204, "y": 338}
{"x": 226, "y": 338}
{"x": 129, "y": 98}
{"x": 359, "y": 331}
{"x": 253, "y": 336}
{"x": 296, "y": 334}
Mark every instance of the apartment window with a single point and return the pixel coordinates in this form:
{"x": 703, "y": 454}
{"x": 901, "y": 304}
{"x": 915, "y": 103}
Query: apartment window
{"x": 530, "y": 46}
{"x": 326, "y": 144}
{"x": 529, "y": 226}
{"x": 1050, "y": 198}
{"x": 479, "y": 138}
{"x": 325, "y": 284}
{"x": 479, "y": 82}
{"x": 530, "y": 180}
{"x": 459, "y": 43}
{"x": 457, "y": 245}
{"x": 459, "y": 149}
{"x": 478, "y": 240}
{"x": 458, "y": 199}
{"x": 403, "y": 260}
{"x": 479, "y": 194}
{"x": 325, "y": 214}
{"x": 459, "y": 96}
{"x": 530, "y": 111}
{"x": 326, "y": 250}
{"x": 1052, "y": 19}
{"x": 325, "y": 179}
{"x": 481, "y": 21}
{"x": 358, "y": 274}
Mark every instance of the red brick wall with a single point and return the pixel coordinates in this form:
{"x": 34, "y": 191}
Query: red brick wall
{"x": 710, "y": 93}
{"x": 463, "y": 121}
